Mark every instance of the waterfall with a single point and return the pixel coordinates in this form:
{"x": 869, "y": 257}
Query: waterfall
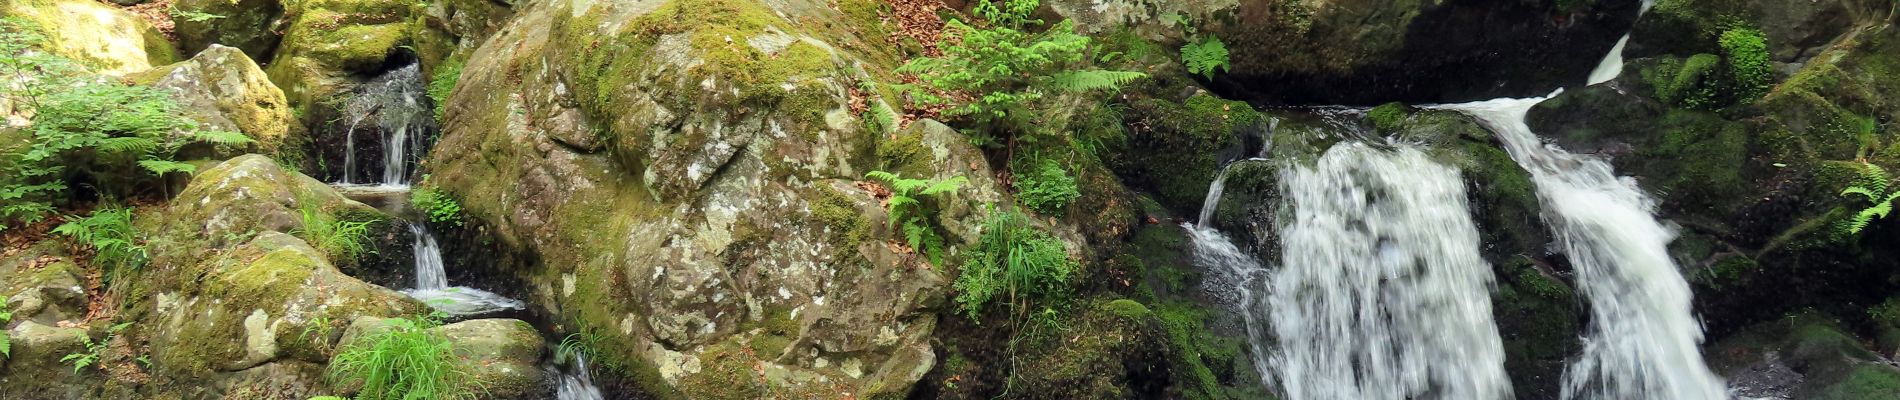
{"x": 396, "y": 105}
{"x": 574, "y": 382}
{"x": 1233, "y": 276}
{"x": 1381, "y": 292}
{"x": 1612, "y": 64}
{"x": 1642, "y": 343}
{"x": 432, "y": 282}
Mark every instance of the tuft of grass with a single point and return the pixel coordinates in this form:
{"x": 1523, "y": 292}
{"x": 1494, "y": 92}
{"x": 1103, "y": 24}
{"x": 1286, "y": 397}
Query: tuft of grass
{"x": 341, "y": 240}
{"x": 405, "y": 361}
{"x": 1015, "y": 262}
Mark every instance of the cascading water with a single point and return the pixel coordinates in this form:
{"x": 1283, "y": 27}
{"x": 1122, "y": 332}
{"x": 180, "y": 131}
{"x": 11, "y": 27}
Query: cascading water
{"x": 1643, "y": 339}
{"x": 1612, "y": 65}
{"x": 573, "y": 382}
{"x": 1381, "y": 292}
{"x": 432, "y": 282}
{"x": 396, "y": 105}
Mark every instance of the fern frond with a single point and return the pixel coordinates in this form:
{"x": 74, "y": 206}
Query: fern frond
{"x": 944, "y": 186}
{"x": 162, "y": 167}
{"x": 1205, "y": 57}
{"x": 127, "y": 144}
{"x": 1864, "y": 192}
{"x": 1095, "y": 79}
{"x": 908, "y": 186}
{"x": 882, "y": 176}
{"x": 222, "y": 137}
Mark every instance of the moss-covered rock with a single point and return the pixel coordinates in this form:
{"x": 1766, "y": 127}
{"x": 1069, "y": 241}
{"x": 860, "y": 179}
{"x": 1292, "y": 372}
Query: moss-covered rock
{"x": 1805, "y": 355}
{"x": 1181, "y": 145}
{"x": 33, "y": 369}
{"x": 224, "y": 90}
{"x": 243, "y": 24}
{"x": 329, "y": 45}
{"x": 494, "y": 358}
{"x": 101, "y": 37}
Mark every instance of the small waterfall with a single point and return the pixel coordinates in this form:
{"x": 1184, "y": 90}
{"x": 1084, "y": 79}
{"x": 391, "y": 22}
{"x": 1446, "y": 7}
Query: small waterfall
{"x": 432, "y": 282}
{"x": 396, "y": 105}
{"x": 1234, "y": 276}
{"x": 1381, "y": 292}
{"x": 1612, "y": 65}
{"x": 1643, "y": 339}
{"x": 575, "y": 383}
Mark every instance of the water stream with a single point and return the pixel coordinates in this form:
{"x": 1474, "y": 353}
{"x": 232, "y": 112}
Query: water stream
{"x": 432, "y": 283}
{"x": 396, "y": 105}
{"x": 1643, "y": 336}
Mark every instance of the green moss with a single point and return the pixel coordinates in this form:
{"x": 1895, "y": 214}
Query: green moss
{"x": 1128, "y": 309}
{"x": 1745, "y": 52}
{"x": 1196, "y": 354}
{"x": 1701, "y": 154}
{"x": 1728, "y": 271}
{"x": 1690, "y": 83}
{"x": 1535, "y": 282}
{"x": 841, "y": 215}
{"x": 1866, "y": 382}
{"x": 906, "y": 156}
{"x": 1177, "y": 156}
{"x": 1388, "y": 117}
{"x": 726, "y": 372}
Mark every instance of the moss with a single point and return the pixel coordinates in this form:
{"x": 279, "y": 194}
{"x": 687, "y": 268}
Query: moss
{"x": 1701, "y": 155}
{"x": 1541, "y": 314}
{"x": 1178, "y": 148}
{"x": 1128, "y": 309}
{"x": 726, "y": 372}
{"x": 847, "y": 225}
{"x": 1690, "y": 83}
{"x": 906, "y": 156}
{"x": 1729, "y": 271}
{"x": 1866, "y": 382}
{"x": 1196, "y": 354}
{"x": 1387, "y": 118}
{"x": 719, "y": 29}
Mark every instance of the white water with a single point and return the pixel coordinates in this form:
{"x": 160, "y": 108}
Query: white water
{"x": 396, "y": 105}
{"x": 1232, "y": 276}
{"x": 1642, "y": 343}
{"x": 575, "y": 383}
{"x": 1381, "y": 292}
{"x": 432, "y": 282}
{"x": 1612, "y": 64}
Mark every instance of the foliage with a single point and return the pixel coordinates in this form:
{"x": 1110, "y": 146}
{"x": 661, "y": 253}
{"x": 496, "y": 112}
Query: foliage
{"x": 1875, "y": 186}
{"x": 405, "y": 360}
{"x": 112, "y": 136}
{"x": 442, "y": 84}
{"x": 912, "y": 204}
{"x": 344, "y": 240}
{"x": 1746, "y": 52}
{"x": 94, "y": 349}
{"x": 1046, "y": 188}
{"x": 194, "y": 16}
{"x": 1000, "y": 74}
{"x": 115, "y": 243}
{"x": 1205, "y": 57}
{"x": 442, "y": 208}
{"x": 1013, "y": 260}
{"x": 6, "y": 343}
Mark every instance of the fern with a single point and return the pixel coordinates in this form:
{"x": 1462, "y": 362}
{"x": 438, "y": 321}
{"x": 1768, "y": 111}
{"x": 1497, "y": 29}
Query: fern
{"x": 911, "y": 207}
{"x": 1873, "y": 185}
{"x": 1090, "y": 80}
{"x": 162, "y": 167}
{"x": 90, "y": 355}
{"x": 998, "y": 75}
{"x": 1205, "y": 57}
{"x": 108, "y": 231}
{"x": 6, "y": 343}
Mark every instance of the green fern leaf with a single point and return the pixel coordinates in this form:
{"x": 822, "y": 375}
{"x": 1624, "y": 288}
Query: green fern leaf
{"x": 1205, "y": 57}
{"x": 1864, "y": 192}
{"x": 882, "y": 176}
{"x": 127, "y": 144}
{"x": 162, "y": 167}
{"x": 914, "y": 234}
{"x": 1095, "y": 79}
{"x": 222, "y": 137}
{"x": 944, "y": 186}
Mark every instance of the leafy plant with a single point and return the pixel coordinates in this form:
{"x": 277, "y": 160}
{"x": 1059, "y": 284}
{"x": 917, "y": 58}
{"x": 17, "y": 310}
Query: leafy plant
{"x": 405, "y": 360}
{"x": 1205, "y": 57}
{"x": 1046, "y": 188}
{"x": 911, "y": 204}
{"x": 999, "y": 74}
{"x": 1746, "y": 52}
{"x": 440, "y": 207}
{"x": 1875, "y": 187}
{"x": 345, "y": 240}
{"x": 108, "y": 231}
{"x": 94, "y": 349}
{"x": 6, "y": 343}
{"x": 194, "y": 16}
{"x": 1013, "y": 260}
{"x": 442, "y": 84}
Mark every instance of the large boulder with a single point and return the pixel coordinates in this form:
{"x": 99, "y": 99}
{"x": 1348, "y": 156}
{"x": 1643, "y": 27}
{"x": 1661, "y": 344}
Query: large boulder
{"x": 248, "y": 25}
{"x": 224, "y": 90}
{"x": 33, "y": 370}
{"x": 1803, "y": 356}
{"x": 331, "y": 45}
{"x": 101, "y": 37}
{"x": 685, "y": 188}
{"x": 1373, "y": 51}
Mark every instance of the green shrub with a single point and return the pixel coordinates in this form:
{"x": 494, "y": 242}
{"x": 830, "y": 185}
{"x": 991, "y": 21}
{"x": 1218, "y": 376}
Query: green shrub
{"x": 84, "y": 128}
{"x": 116, "y": 244}
{"x": 912, "y": 205}
{"x": 93, "y": 350}
{"x": 1046, "y": 188}
{"x": 405, "y": 360}
{"x": 1746, "y": 52}
{"x": 1875, "y": 186}
{"x": 998, "y": 75}
{"x": 340, "y": 239}
{"x": 1205, "y": 57}
{"x": 1014, "y": 261}
{"x": 441, "y": 208}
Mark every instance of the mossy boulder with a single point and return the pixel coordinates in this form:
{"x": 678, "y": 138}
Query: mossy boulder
{"x": 224, "y": 90}
{"x": 330, "y": 45}
{"x": 43, "y": 283}
{"x": 247, "y": 25}
{"x": 1177, "y": 145}
{"x": 33, "y": 369}
{"x": 101, "y": 37}
{"x": 1806, "y": 356}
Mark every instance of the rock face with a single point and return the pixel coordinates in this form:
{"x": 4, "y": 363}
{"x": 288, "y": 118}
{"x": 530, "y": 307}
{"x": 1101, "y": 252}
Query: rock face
{"x": 329, "y": 45}
{"x": 683, "y": 181}
{"x": 224, "y": 90}
{"x": 1373, "y": 51}
{"x": 248, "y": 25}
{"x": 101, "y": 37}
{"x": 244, "y": 305}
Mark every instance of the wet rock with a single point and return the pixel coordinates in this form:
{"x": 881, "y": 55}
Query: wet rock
{"x": 224, "y": 90}
{"x": 1804, "y": 356}
{"x": 248, "y": 25}
{"x": 101, "y": 37}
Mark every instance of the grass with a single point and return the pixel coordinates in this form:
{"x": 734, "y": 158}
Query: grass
{"x": 404, "y": 361}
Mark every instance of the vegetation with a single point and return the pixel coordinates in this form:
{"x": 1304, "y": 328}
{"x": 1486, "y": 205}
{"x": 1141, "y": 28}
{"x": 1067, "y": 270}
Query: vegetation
{"x": 442, "y": 84}
{"x": 94, "y": 349}
{"x": 86, "y": 132}
{"x": 1203, "y": 54}
{"x": 1745, "y": 51}
{"x": 1874, "y": 185}
{"x": 6, "y": 343}
{"x": 1046, "y": 188}
{"x": 405, "y": 360}
{"x": 1015, "y": 261}
{"x": 912, "y": 205}
{"x": 117, "y": 246}
{"x": 342, "y": 239}
{"x": 440, "y": 207}
{"x": 999, "y": 75}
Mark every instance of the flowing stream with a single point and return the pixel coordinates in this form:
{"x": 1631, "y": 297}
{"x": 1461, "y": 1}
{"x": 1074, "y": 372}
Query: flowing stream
{"x": 1643, "y": 338}
{"x": 432, "y": 283}
{"x": 396, "y": 105}
{"x": 1380, "y": 292}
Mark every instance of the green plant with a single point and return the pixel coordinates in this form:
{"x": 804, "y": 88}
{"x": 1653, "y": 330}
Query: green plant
{"x": 94, "y": 349}
{"x": 1745, "y": 51}
{"x": 912, "y": 204}
{"x": 999, "y": 75}
{"x": 344, "y": 240}
{"x": 441, "y": 207}
{"x": 404, "y": 360}
{"x": 1046, "y": 188}
{"x": 1013, "y": 260}
{"x": 194, "y": 16}
{"x": 6, "y": 343}
{"x": 1205, "y": 57}
{"x": 442, "y": 84}
{"x": 108, "y": 231}
{"x": 1874, "y": 185}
